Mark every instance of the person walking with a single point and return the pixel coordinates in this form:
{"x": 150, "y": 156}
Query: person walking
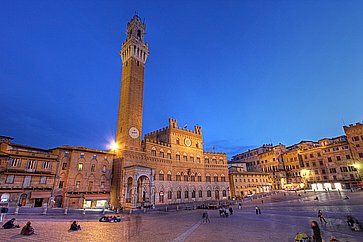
{"x": 316, "y": 232}
{"x": 257, "y": 210}
{"x": 206, "y": 217}
{"x": 4, "y": 211}
{"x": 239, "y": 206}
{"x": 230, "y": 210}
{"x": 321, "y": 217}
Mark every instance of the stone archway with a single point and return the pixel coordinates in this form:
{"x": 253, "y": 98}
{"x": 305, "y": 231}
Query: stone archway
{"x": 129, "y": 190}
{"x": 143, "y": 190}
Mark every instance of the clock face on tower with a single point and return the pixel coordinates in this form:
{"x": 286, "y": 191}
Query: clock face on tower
{"x": 187, "y": 142}
{"x": 134, "y": 133}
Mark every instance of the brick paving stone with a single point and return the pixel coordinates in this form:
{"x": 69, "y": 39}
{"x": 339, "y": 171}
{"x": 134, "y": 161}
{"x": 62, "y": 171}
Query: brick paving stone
{"x": 278, "y": 222}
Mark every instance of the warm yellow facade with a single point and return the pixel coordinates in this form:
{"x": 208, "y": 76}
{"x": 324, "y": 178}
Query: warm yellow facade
{"x": 334, "y": 163}
{"x": 244, "y": 183}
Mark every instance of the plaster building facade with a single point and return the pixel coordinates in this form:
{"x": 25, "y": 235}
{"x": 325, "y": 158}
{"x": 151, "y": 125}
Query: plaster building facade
{"x": 244, "y": 183}
{"x": 330, "y": 163}
{"x": 83, "y": 177}
{"x": 27, "y": 174}
{"x": 169, "y": 165}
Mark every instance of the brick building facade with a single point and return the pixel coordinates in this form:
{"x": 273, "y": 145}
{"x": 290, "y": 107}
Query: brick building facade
{"x": 169, "y": 165}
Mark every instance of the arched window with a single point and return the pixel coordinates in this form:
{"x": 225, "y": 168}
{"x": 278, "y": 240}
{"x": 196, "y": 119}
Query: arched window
{"x": 206, "y": 159}
{"x": 224, "y": 193}
{"x": 217, "y": 194}
{"x": 104, "y": 168}
{"x": 185, "y": 157}
{"x": 207, "y": 178}
{"x": 153, "y": 151}
{"x": 178, "y": 194}
{"x": 199, "y": 177}
{"x": 161, "y": 176}
{"x": 186, "y": 194}
{"x": 170, "y": 195}
{"x": 192, "y": 178}
{"x": 198, "y": 159}
{"x": 193, "y": 194}
{"x": 191, "y": 158}
{"x": 177, "y": 156}
{"x": 168, "y": 155}
{"x": 161, "y": 154}
{"x": 200, "y": 193}
{"x": 93, "y": 166}
{"x": 215, "y": 178}
{"x": 209, "y": 193}
{"x": 186, "y": 177}
{"x": 168, "y": 176}
{"x": 178, "y": 177}
{"x": 161, "y": 197}
{"x": 223, "y": 178}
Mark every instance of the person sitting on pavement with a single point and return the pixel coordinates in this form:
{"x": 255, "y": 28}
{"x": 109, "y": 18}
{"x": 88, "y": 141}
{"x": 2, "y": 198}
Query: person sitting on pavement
{"x": 75, "y": 226}
{"x": 10, "y": 224}
{"x": 27, "y": 229}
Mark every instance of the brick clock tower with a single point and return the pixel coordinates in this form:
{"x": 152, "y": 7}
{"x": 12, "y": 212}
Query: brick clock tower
{"x": 134, "y": 53}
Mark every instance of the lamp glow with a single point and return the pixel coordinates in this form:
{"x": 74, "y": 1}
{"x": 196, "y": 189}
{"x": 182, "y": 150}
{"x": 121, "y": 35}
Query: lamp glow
{"x": 113, "y": 146}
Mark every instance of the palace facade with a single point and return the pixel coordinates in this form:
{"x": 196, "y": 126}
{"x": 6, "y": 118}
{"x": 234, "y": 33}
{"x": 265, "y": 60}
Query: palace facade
{"x": 169, "y": 165}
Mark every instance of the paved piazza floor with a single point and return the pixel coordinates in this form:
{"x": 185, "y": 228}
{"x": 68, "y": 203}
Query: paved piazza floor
{"x": 279, "y": 221}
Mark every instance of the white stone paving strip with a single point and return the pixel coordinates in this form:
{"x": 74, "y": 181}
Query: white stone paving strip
{"x": 182, "y": 237}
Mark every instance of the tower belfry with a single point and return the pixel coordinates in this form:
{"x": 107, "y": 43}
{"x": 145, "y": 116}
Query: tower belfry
{"x": 134, "y": 52}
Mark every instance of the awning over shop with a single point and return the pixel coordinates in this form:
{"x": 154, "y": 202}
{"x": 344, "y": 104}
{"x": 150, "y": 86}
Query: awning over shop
{"x": 41, "y": 194}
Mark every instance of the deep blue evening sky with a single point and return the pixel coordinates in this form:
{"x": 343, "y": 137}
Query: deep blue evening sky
{"x": 249, "y": 72}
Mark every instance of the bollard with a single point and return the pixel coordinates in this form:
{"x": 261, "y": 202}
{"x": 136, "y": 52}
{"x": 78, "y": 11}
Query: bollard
{"x": 16, "y": 210}
{"x": 103, "y": 211}
{"x": 177, "y": 207}
{"x": 166, "y": 208}
{"x": 84, "y": 211}
{"x": 45, "y": 211}
{"x": 65, "y": 211}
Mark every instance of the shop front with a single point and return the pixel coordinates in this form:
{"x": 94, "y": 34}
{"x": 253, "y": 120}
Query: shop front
{"x": 96, "y": 201}
{"x": 39, "y": 198}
